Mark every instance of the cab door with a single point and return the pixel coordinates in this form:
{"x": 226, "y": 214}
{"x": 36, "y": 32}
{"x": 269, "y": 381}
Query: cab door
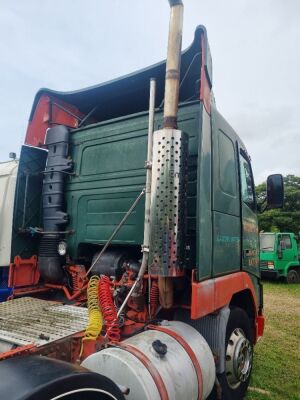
{"x": 226, "y": 212}
{"x": 285, "y": 251}
{"x": 249, "y": 225}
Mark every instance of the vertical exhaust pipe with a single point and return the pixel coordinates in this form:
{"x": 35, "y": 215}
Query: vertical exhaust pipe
{"x": 169, "y": 174}
{"x": 173, "y": 65}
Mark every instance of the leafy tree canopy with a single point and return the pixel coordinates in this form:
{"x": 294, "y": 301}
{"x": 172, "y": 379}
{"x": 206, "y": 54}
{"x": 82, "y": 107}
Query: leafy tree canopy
{"x": 286, "y": 219}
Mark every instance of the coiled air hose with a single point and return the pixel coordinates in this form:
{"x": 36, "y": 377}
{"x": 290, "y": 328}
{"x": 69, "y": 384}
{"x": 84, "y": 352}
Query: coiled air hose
{"x": 154, "y": 298}
{"x": 95, "y": 318}
{"x": 108, "y": 309}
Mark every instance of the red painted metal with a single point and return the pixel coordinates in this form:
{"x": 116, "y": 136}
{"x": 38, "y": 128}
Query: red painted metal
{"x": 24, "y": 277}
{"x": 162, "y": 390}
{"x": 28, "y": 290}
{"x": 89, "y": 346}
{"x": 260, "y": 326}
{"x": 48, "y": 113}
{"x": 66, "y": 349}
{"x": 189, "y": 351}
{"x": 79, "y": 280}
{"x": 68, "y": 295}
{"x": 205, "y": 92}
{"x": 131, "y": 327}
{"x": 23, "y": 272}
{"x": 18, "y": 351}
{"x": 213, "y": 294}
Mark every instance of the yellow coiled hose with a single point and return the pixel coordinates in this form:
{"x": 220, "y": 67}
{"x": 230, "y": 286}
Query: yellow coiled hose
{"x": 95, "y": 321}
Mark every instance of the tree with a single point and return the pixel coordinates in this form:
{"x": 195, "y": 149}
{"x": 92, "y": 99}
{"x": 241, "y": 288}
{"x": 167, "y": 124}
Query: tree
{"x": 288, "y": 218}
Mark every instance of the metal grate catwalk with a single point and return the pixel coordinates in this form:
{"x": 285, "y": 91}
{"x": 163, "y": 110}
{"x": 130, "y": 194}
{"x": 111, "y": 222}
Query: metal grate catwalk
{"x": 32, "y": 321}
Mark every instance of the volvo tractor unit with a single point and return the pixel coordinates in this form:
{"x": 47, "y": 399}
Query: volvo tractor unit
{"x": 133, "y": 256}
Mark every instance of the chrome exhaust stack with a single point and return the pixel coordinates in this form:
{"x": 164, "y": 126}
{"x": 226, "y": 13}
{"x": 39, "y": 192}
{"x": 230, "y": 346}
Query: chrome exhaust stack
{"x": 173, "y": 65}
{"x": 169, "y": 168}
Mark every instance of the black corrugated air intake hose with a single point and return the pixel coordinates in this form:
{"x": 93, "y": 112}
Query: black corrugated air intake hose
{"x": 54, "y": 218}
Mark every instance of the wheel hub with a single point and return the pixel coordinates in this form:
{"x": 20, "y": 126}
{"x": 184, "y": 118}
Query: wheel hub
{"x": 238, "y": 358}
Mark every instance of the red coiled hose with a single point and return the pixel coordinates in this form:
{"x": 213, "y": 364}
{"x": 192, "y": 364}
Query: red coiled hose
{"x": 108, "y": 309}
{"x": 75, "y": 282}
{"x": 154, "y": 298}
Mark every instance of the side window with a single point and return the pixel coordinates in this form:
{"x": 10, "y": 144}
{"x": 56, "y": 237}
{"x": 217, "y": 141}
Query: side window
{"x": 285, "y": 242}
{"x": 227, "y": 168}
{"x": 247, "y": 184}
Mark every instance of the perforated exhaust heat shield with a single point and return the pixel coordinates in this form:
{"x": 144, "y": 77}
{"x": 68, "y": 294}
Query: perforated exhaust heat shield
{"x": 168, "y": 203}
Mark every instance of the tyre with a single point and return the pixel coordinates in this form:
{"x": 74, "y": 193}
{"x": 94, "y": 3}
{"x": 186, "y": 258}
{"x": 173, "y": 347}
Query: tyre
{"x": 239, "y": 356}
{"x": 38, "y": 377}
{"x": 293, "y": 276}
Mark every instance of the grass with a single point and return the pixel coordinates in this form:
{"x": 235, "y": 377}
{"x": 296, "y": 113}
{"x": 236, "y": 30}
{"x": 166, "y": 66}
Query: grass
{"x": 276, "y": 374}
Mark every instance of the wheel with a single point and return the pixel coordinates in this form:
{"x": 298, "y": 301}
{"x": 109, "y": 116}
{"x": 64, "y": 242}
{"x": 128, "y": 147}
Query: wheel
{"x": 238, "y": 356}
{"x": 293, "y": 276}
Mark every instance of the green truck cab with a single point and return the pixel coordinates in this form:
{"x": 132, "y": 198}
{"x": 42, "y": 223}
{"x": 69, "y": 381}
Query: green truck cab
{"x": 280, "y": 256}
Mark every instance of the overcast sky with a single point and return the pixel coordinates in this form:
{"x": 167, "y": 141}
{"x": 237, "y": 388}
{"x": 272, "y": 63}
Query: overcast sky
{"x": 71, "y": 44}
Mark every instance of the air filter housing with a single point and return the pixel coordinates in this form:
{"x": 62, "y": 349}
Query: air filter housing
{"x": 54, "y": 217}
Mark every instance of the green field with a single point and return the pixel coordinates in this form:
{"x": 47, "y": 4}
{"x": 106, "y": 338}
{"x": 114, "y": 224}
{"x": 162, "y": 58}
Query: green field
{"x": 276, "y": 372}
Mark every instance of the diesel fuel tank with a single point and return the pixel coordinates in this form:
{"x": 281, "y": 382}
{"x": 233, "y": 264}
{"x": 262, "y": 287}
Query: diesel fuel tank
{"x": 171, "y": 361}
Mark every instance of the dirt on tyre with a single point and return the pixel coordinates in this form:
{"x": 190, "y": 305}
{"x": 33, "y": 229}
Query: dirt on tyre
{"x": 238, "y": 356}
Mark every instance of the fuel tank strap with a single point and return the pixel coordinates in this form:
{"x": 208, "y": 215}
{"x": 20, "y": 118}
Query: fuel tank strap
{"x": 162, "y": 390}
{"x": 189, "y": 351}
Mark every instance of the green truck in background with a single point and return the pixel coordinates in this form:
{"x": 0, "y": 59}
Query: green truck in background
{"x": 280, "y": 256}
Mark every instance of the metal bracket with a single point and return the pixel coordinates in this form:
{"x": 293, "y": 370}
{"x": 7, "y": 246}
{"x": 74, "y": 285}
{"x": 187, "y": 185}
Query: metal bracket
{"x": 148, "y": 164}
{"x": 39, "y": 231}
{"x": 62, "y": 172}
{"x": 145, "y": 249}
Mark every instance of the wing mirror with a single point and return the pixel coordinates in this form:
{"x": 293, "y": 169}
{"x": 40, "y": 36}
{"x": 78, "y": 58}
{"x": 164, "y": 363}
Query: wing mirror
{"x": 275, "y": 191}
